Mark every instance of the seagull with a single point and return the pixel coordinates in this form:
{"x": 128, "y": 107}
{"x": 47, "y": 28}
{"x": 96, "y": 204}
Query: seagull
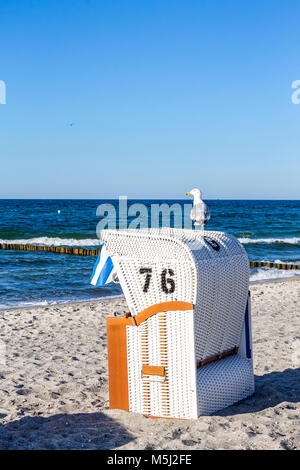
{"x": 200, "y": 212}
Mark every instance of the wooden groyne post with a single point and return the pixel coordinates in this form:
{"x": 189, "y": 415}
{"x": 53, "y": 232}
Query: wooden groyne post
{"x": 51, "y": 249}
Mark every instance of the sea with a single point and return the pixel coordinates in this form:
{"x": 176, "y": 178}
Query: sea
{"x": 268, "y": 229}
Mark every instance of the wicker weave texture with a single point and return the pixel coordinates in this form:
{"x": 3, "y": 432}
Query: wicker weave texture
{"x": 209, "y": 270}
{"x": 215, "y": 281}
{"x": 134, "y": 250}
{"x": 163, "y": 340}
{"x": 222, "y": 289}
{"x": 222, "y": 383}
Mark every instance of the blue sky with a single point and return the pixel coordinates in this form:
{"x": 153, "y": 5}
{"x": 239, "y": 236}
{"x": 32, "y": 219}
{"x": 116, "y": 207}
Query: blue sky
{"x": 164, "y": 96}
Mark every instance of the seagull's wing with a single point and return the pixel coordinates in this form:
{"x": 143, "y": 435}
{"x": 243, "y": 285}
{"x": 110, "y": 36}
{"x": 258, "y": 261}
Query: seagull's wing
{"x": 206, "y": 213}
{"x": 193, "y": 213}
{"x": 198, "y": 213}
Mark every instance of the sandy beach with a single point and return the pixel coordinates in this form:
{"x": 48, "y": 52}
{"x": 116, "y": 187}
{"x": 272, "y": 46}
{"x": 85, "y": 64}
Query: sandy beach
{"x": 54, "y": 382}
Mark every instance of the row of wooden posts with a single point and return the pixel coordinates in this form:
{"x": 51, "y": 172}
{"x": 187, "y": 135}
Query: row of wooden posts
{"x": 91, "y": 252}
{"x": 51, "y": 249}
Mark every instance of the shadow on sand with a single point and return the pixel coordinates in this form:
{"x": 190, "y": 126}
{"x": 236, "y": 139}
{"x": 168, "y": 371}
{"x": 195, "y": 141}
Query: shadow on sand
{"x": 270, "y": 390}
{"x": 98, "y": 431}
{"x": 63, "y": 431}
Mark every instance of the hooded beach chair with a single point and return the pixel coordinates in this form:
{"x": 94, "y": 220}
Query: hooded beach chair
{"x": 184, "y": 349}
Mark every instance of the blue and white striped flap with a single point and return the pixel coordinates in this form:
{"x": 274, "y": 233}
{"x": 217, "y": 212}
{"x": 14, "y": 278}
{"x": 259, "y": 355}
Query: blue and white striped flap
{"x": 103, "y": 269}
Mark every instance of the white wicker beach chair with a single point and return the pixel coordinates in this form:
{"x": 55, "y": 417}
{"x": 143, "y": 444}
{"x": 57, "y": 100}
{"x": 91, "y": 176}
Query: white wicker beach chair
{"x": 184, "y": 349}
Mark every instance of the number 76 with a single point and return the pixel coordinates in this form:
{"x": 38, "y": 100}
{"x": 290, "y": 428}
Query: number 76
{"x": 167, "y": 283}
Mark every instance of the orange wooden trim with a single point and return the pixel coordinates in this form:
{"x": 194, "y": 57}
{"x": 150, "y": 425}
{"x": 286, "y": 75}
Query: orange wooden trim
{"x": 117, "y": 362}
{"x": 162, "y": 307}
{"x": 153, "y": 370}
{"x": 217, "y": 357}
{"x": 164, "y": 417}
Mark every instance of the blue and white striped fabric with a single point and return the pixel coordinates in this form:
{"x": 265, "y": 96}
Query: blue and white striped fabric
{"x": 103, "y": 269}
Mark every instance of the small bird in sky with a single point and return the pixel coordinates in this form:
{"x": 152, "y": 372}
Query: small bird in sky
{"x": 71, "y": 124}
{"x": 200, "y": 213}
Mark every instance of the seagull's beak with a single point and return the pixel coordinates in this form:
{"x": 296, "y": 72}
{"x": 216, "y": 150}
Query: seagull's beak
{"x": 187, "y": 194}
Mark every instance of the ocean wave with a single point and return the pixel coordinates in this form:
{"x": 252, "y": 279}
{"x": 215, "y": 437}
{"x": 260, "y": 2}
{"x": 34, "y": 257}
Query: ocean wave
{"x": 279, "y": 261}
{"x": 265, "y": 274}
{"x": 8, "y": 306}
{"x": 290, "y": 241}
{"x": 55, "y": 241}
{"x": 45, "y": 303}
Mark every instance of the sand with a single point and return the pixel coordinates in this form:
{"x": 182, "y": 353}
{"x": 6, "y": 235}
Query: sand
{"x": 54, "y": 385}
